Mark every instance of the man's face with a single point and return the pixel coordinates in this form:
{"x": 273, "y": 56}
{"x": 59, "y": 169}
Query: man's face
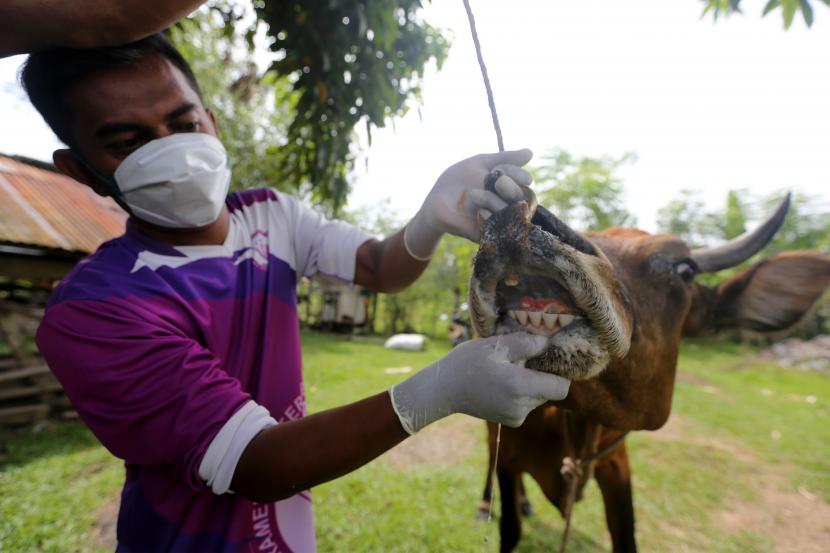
{"x": 118, "y": 111}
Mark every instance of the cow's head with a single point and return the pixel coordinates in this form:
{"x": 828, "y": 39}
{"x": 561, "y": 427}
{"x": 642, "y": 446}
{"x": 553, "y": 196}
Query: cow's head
{"x": 616, "y": 304}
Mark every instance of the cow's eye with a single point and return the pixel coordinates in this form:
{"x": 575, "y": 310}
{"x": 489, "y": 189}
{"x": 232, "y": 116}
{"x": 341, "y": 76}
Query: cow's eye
{"x": 686, "y": 268}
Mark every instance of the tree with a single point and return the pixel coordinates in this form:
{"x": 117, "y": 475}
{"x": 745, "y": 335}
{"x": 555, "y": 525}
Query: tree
{"x": 584, "y": 191}
{"x": 806, "y": 227}
{"x": 345, "y": 62}
{"x": 789, "y": 9}
{"x": 685, "y": 218}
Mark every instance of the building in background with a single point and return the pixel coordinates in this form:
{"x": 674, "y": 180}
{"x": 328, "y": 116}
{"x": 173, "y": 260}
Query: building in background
{"x": 48, "y": 222}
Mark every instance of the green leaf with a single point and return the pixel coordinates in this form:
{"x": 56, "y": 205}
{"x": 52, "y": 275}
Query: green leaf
{"x": 790, "y": 7}
{"x": 771, "y": 5}
{"x": 807, "y": 12}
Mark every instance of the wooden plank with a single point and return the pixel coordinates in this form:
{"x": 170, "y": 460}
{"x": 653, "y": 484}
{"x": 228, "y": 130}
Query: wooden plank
{"x": 5, "y": 376}
{"x": 15, "y": 392}
{"x": 14, "y": 412}
{"x": 18, "y": 391}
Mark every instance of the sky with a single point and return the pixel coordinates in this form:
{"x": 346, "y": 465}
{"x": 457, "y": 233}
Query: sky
{"x": 736, "y": 104}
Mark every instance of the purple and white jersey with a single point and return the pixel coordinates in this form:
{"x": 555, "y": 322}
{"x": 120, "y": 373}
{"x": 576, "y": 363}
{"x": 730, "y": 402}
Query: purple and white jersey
{"x": 176, "y": 357}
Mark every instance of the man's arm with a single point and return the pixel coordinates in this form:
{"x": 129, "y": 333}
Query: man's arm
{"x": 386, "y": 266}
{"x": 478, "y": 378}
{"x": 451, "y": 207}
{"x": 28, "y": 25}
{"x": 297, "y": 455}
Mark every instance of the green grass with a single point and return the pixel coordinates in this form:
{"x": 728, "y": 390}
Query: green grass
{"x": 53, "y": 483}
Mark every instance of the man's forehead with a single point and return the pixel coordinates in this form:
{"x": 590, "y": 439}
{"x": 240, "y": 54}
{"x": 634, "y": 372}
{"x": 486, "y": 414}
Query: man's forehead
{"x": 136, "y": 92}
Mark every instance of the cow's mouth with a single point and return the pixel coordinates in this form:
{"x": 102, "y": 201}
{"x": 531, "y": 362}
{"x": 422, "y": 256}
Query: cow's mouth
{"x": 535, "y": 304}
{"x": 551, "y": 282}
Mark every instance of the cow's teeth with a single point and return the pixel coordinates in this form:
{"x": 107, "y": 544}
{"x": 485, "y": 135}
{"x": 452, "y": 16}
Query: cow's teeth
{"x": 550, "y": 320}
{"x": 511, "y": 314}
{"x": 521, "y": 317}
{"x": 565, "y": 320}
{"x": 535, "y": 317}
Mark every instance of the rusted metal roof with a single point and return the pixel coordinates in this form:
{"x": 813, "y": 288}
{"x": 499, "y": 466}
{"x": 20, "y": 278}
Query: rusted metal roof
{"x": 42, "y": 208}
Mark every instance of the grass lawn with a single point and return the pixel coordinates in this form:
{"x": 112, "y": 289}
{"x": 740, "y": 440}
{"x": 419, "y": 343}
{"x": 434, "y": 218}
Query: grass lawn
{"x": 743, "y": 465}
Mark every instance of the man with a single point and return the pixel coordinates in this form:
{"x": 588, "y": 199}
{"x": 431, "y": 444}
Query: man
{"x": 178, "y": 342}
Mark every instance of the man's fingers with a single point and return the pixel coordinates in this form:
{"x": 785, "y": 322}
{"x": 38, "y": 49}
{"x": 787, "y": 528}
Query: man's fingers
{"x": 508, "y": 190}
{"x": 521, "y": 346}
{"x": 519, "y": 175}
{"x": 511, "y": 157}
{"x": 486, "y": 200}
{"x": 549, "y": 387}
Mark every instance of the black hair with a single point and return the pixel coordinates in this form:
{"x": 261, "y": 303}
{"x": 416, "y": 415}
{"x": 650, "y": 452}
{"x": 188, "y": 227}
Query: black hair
{"x": 49, "y": 75}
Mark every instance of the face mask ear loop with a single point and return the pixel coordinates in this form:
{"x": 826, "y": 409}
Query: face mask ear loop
{"x": 108, "y": 182}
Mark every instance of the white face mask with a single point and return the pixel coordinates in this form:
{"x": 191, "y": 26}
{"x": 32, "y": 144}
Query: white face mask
{"x": 179, "y": 181}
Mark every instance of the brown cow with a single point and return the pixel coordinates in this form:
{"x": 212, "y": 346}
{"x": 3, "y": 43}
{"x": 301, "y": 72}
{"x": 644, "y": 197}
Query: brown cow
{"x": 615, "y": 305}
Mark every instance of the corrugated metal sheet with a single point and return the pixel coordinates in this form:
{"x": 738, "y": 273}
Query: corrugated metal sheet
{"x": 46, "y": 209}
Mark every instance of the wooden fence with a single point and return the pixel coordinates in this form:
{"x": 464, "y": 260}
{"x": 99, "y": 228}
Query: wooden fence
{"x": 29, "y": 393}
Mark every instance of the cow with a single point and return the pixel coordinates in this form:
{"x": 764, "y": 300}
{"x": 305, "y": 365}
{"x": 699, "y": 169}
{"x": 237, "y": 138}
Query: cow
{"x": 615, "y": 306}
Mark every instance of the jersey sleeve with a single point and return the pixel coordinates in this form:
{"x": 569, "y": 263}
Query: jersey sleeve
{"x": 321, "y": 245}
{"x": 149, "y": 393}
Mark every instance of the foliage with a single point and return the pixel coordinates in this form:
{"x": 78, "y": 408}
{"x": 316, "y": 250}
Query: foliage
{"x": 807, "y": 225}
{"x": 583, "y": 191}
{"x": 684, "y": 217}
{"x": 347, "y": 61}
{"x": 733, "y": 222}
{"x": 789, "y": 9}
{"x": 423, "y": 496}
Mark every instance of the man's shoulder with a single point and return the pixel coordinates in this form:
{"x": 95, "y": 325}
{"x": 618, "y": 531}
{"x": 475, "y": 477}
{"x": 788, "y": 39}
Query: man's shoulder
{"x": 104, "y": 273}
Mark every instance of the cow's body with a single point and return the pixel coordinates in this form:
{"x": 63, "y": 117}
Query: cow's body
{"x": 628, "y": 297}
{"x": 538, "y": 448}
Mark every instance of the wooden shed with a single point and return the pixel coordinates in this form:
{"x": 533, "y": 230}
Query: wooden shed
{"x": 48, "y": 222}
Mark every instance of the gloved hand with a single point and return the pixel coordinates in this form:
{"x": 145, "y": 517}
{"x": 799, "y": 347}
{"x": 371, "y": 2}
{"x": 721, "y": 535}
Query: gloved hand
{"x": 479, "y": 378}
{"x": 458, "y": 194}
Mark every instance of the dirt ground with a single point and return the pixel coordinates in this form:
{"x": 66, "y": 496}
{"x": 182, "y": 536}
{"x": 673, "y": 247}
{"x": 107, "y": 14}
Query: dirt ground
{"x": 795, "y": 521}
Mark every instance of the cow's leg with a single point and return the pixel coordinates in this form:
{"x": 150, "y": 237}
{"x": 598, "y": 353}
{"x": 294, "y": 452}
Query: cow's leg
{"x": 524, "y": 502}
{"x": 510, "y": 524}
{"x": 484, "y": 508}
{"x": 614, "y": 478}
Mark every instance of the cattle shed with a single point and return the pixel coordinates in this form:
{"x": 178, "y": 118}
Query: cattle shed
{"x": 48, "y": 222}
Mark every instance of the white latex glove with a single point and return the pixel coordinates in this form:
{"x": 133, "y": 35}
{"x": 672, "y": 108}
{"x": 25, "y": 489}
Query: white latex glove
{"x": 458, "y": 194}
{"x": 480, "y": 378}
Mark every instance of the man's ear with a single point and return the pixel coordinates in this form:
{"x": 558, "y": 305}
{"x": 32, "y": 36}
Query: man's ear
{"x": 212, "y": 117}
{"x": 773, "y": 296}
{"x": 68, "y": 163}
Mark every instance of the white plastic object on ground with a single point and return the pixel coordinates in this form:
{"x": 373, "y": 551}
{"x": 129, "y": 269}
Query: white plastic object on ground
{"x": 408, "y": 342}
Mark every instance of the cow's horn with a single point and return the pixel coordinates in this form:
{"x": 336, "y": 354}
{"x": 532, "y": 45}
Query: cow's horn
{"x": 741, "y": 248}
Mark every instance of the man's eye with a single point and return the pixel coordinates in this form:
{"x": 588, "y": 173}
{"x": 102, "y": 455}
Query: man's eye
{"x": 126, "y": 146}
{"x": 188, "y": 126}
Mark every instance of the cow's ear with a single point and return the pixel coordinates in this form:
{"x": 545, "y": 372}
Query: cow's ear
{"x": 774, "y": 295}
